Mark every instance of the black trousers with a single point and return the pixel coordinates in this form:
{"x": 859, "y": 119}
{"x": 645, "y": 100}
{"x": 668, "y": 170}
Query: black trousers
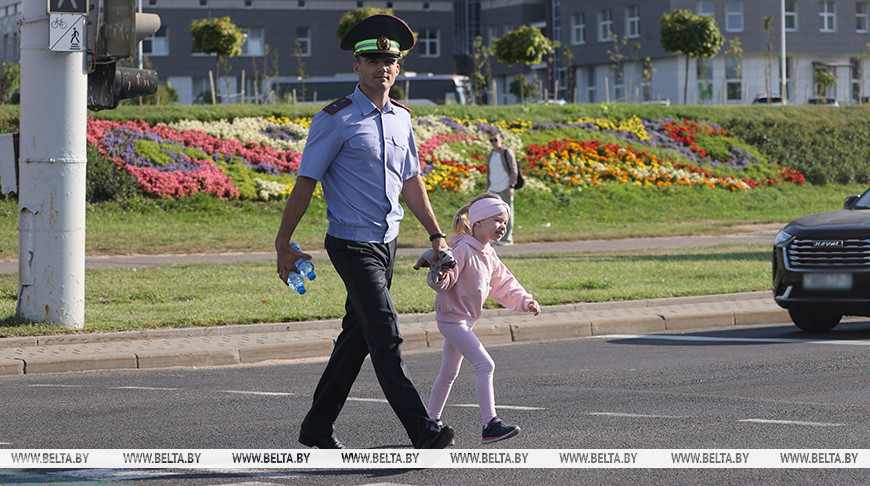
{"x": 370, "y": 327}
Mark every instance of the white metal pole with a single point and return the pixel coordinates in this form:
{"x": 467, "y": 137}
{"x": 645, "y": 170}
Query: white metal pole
{"x": 783, "y": 87}
{"x": 141, "y": 50}
{"x": 52, "y": 167}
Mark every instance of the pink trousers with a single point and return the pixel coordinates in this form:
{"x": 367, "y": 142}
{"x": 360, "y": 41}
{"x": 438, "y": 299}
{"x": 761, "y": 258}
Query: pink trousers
{"x": 459, "y": 341}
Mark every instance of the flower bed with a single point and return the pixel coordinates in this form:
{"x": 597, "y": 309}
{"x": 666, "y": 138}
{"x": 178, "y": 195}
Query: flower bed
{"x": 257, "y": 158}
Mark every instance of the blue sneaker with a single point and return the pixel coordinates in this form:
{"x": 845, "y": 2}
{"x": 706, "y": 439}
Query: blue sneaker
{"x": 497, "y": 430}
{"x": 441, "y": 425}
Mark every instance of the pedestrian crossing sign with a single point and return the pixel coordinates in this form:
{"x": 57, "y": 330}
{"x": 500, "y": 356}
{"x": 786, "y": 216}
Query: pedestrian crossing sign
{"x": 66, "y": 32}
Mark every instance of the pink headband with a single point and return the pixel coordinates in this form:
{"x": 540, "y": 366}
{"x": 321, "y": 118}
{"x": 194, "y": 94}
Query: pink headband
{"x": 486, "y": 208}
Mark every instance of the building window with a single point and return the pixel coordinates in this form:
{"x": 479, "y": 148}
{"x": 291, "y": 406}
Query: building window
{"x": 427, "y": 6}
{"x": 734, "y": 16}
{"x": 827, "y": 16}
{"x": 578, "y": 29}
{"x": 390, "y": 5}
{"x": 704, "y": 71}
{"x": 861, "y": 17}
{"x": 791, "y": 24}
{"x": 491, "y": 34}
{"x": 619, "y": 91}
{"x": 303, "y": 41}
{"x": 152, "y": 3}
{"x": 605, "y": 24}
{"x": 646, "y": 75}
{"x": 249, "y": 3}
{"x": 301, "y": 4}
{"x": 430, "y": 43}
{"x": 591, "y": 90}
{"x": 706, "y": 8}
{"x": 360, "y": 4}
{"x": 632, "y": 21}
{"x": 255, "y": 42}
{"x": 203, "y": 3}
{"x": 733, "y": 79}
{"x": 157, "y": 44}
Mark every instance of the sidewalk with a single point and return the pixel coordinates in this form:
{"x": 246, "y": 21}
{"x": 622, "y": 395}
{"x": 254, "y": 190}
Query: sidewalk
{"x": 256, "y": 343}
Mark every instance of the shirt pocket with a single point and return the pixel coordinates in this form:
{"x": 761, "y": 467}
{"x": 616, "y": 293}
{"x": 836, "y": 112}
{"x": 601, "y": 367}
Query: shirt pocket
{"x": 397, "y": 152}
{"x": 365, "y": 151}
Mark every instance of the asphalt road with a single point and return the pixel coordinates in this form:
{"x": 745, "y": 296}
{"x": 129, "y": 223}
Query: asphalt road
{"x": 759, "y": 387}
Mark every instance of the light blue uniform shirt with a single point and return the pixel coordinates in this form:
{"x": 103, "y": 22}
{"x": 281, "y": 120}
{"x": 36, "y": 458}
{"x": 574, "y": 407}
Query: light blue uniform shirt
{"x": 361, "y": 156}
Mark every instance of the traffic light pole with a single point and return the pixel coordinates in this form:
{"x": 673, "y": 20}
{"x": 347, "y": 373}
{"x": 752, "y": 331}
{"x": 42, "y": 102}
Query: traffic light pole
{"x": 52, "y": 168}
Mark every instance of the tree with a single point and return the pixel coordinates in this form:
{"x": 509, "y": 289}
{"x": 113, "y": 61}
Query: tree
{"x": 218, "y": 36}
{"x": 768, "y": 51}
{"x": 300, "y": 69}
{"x": 690, "y": 35}
{"x": 522, "y": 88}
{"x": 482, "y": 69}
{"x": 525, "y": 45}
{"x": 823, "y": 80}
{"x": 616, "y": 56}
{"x": 349, "y": 19}
{"x": 10, "y": 79}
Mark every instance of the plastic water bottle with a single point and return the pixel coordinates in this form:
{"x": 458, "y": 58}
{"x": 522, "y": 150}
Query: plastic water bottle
{"x": 305, "y": 267}
{"x": 296, "y": 282}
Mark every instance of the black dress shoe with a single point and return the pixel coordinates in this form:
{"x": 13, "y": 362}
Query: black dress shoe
{"x": 319, "y": 442}
{"x": 440, "y": 440}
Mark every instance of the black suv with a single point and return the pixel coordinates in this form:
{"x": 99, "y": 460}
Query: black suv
{"x": 821, "y": 265}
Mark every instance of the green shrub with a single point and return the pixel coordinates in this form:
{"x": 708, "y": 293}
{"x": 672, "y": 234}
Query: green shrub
{"x": 161, "y": 153}
{"x": 105, "y": 182}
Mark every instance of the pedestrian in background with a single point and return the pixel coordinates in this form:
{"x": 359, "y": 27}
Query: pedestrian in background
{"x": 362, "y": 150}
{"x": 501, "y": 177}
{"x": 478, "y": 274}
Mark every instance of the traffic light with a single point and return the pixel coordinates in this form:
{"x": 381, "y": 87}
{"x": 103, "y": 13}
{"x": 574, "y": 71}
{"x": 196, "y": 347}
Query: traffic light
{"x": 109, "y": 84}
{"x": 116, "y": 28}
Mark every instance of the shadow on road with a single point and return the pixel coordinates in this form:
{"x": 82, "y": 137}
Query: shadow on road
{"x": 856, "y": 331}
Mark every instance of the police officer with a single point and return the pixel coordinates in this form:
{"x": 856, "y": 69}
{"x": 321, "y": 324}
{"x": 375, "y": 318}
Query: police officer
{"x": 362, "y": 150}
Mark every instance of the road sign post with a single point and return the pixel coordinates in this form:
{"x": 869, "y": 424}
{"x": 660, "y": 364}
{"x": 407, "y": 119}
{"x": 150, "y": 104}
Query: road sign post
{"x": 52, "y": 167}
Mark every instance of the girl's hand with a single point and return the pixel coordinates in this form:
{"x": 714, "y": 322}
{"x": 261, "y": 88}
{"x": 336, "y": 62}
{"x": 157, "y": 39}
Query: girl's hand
{"x": 534, "y": 307}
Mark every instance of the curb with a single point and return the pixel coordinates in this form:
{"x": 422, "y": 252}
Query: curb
{"x": 246, "y": 344}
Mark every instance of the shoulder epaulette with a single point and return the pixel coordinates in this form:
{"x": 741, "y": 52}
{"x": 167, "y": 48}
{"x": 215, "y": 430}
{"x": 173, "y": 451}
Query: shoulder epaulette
{"x": 337, "y": 105}
{"x": 400, "y": 105}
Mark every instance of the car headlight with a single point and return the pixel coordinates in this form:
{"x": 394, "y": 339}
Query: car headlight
{"x": 782, "y": 238}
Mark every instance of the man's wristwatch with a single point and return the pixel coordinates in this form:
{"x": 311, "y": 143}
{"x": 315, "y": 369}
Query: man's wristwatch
{"x": 437, "y": 235}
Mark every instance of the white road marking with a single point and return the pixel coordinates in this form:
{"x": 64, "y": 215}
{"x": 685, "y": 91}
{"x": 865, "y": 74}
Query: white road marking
{"x": 49, "y": 385}
{"x": 506, "y": 407}
{"x": 672, "y": 337}
{"x": 378, "y": 400}
{"x": 791, "y": 422}
{"x": 150, "y": 388}
{"x": 268, "y": 394}
{"x": 466, "y": 405}
{"x": 248, "y": 483}
{"x": 636, "y": 415}
{"x": 114, "y": 474}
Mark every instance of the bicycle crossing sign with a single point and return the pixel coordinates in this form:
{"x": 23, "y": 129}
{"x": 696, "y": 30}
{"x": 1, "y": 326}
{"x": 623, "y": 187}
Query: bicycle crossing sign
{"x": 68, "y": 6}
{"x": 66, "y": 32}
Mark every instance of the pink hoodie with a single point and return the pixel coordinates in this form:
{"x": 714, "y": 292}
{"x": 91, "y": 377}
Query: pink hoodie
{"x": 478, "y": 273}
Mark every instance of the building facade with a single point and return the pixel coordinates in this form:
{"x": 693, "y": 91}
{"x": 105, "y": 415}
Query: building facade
{"x": 617, "y": 55}
{"x": 608, "y": 50}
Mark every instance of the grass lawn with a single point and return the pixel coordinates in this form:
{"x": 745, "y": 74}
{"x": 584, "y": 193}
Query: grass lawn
{"x": 203, "y": 224}
{"x": 248, "y": 292}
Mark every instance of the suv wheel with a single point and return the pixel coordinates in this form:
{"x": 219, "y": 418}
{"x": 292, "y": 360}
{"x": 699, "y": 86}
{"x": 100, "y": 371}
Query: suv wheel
{"x": 814, "y": 321}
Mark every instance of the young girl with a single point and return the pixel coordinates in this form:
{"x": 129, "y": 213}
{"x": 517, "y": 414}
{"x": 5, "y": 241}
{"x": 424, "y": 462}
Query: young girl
{"x": 461, "y": 292}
